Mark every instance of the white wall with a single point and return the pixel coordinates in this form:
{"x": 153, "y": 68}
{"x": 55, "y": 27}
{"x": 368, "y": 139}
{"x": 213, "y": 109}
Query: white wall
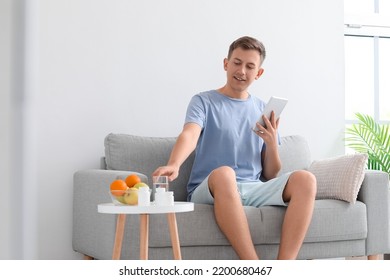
{"x": 132, "y": 66}
{"x": 5, "y": 120}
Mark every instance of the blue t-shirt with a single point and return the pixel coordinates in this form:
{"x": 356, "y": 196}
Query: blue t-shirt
{"x": 226, "y": 138}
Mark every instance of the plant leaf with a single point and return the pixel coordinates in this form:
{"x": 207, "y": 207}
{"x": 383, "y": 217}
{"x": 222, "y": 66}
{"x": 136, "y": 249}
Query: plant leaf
{"x": 368, "y": 136}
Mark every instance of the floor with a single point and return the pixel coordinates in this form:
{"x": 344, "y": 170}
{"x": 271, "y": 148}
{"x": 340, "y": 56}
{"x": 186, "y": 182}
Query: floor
{"x": 362, "y": 258}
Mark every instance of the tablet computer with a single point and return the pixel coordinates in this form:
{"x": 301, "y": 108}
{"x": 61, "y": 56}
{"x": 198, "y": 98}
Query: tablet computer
{"x": 275, "y": 104}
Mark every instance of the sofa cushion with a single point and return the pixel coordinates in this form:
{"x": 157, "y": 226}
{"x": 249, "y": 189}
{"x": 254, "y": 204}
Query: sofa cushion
{"x": 265, "y": 225}
{"x": 144, "y": 155}
{"x": 339, "y": 177}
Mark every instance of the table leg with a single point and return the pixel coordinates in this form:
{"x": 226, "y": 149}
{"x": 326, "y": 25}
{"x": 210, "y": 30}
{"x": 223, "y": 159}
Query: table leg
{"x": 144, "y": 236}
{"x": 174, "y": 235}
{"x": 120, "y": 229}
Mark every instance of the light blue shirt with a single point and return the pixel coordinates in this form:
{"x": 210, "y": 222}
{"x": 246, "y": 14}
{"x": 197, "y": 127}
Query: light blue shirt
{"x": 227, "y": 138}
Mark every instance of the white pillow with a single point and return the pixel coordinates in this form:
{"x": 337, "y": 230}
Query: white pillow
{"x": 339, "y": 177}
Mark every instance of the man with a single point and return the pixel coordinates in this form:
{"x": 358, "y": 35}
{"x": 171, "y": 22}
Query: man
{"x": 231, "y": 158}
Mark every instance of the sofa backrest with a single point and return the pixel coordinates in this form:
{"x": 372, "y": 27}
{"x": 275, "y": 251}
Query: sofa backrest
{"x": 294, "y": 153}
{"x": 145, "y": 154}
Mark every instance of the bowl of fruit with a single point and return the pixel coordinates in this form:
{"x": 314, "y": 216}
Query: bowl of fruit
{"x": 125, "y": 192}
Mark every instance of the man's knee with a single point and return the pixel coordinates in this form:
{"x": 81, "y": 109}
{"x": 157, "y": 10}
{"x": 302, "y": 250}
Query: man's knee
{"x": 305, "y": 179}
{"x": 224, "y": 178}
{"x": 302, "y": 183}
{"x": 221, "y": 174}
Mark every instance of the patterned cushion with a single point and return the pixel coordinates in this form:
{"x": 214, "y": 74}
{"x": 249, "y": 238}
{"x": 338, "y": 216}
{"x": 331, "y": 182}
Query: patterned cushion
{"x": 339, "y": 177}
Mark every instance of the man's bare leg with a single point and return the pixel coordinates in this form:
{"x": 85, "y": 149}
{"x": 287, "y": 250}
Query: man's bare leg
{"x": 300, "y": 192}
{"x": 229, "y": 212}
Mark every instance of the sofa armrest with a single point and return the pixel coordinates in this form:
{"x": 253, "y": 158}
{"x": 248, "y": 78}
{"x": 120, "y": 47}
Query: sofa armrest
{"x": 93, "y": 233}
{"x": 374, "y": 192}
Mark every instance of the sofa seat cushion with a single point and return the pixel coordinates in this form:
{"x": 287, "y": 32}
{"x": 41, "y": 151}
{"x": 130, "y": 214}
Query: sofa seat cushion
{"x": 333, "y": 220}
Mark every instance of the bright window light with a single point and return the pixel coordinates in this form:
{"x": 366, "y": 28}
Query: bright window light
{"x": 359, "y": 76}
{"x": 367, "y": 59}
{"x": 359, "y": 6}
{"x": 384, "y": 81}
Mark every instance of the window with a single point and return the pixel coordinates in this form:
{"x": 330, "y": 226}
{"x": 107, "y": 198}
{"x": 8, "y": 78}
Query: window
{"x": 367, "y": 59}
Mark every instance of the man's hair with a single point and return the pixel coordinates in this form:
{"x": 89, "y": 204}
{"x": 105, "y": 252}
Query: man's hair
{"x": 248, "y": 43}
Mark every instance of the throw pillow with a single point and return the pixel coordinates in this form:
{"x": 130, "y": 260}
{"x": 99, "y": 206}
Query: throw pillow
{"x": 339, "y": 177}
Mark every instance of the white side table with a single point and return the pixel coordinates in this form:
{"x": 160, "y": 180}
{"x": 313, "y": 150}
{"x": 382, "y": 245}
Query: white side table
{"x": 144, "y": 211}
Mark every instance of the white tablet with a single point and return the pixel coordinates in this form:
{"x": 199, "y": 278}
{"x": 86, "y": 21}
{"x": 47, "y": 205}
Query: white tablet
{"x": 275, "y": 104}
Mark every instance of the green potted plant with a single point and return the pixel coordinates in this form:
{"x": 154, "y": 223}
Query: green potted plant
{"x": 368, "y": 136}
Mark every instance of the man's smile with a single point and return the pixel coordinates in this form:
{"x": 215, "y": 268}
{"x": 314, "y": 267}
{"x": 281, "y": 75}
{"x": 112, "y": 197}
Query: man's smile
{"x": 239, "y": 79}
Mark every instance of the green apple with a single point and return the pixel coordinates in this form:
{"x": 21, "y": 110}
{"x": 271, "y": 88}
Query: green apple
{"x": 121, "y": 199}
{"x": 140, "y": 184}
{"x": 131, "y": 196}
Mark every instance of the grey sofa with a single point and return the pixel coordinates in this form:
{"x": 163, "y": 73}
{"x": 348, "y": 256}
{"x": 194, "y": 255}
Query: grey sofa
{"x": 338, "y": 228}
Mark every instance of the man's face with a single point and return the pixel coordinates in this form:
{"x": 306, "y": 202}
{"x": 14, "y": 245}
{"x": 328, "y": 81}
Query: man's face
{"x": 243, "y": 67}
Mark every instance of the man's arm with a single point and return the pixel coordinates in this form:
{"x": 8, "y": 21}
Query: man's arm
{"x": 271, "y": 162}
{"x": 184, "y": 146}
{"x": 270, "y": 154}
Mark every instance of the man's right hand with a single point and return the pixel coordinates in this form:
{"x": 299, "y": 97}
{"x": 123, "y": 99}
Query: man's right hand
{"x": 168, "y": 170}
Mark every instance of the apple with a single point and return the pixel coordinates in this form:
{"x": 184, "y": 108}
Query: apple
{"x": 140, "y": 184}
{"x": 121, "y": 199}
{"x": 131, "y": 196}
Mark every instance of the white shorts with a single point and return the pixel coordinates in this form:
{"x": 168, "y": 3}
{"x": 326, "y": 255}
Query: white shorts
{"x": 252, "y": 193}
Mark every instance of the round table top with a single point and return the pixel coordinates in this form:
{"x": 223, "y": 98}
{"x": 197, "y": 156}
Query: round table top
{"x": 179, "y": 206}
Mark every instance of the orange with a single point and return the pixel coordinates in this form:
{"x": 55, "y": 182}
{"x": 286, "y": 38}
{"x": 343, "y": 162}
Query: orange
{"x": 118, "y": 187}
{"x": 132, "y": 179}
